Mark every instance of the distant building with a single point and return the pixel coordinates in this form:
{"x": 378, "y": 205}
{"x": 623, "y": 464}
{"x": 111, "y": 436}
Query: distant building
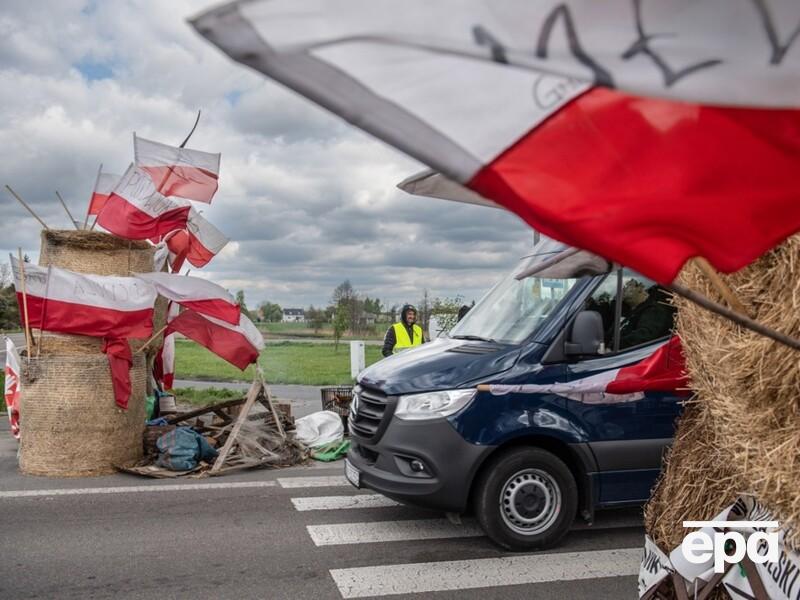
{"x": 294, "y": 315}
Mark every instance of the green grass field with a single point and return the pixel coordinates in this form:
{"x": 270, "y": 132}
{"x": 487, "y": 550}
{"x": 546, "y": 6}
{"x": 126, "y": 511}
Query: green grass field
{"x": 304, "y": 330}
{"x": 284, "y": 362}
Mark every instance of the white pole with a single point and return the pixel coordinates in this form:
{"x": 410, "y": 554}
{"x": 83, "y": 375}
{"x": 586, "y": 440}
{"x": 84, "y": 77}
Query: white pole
{"x": 357, "y": 358}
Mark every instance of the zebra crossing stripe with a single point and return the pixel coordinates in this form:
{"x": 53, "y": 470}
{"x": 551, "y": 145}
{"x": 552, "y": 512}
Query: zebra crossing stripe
{"x": 340, "y": 502}
{"x": 451, "y": 575}
{"x": 390, "y": 531}
{"x": 318, "y": 481}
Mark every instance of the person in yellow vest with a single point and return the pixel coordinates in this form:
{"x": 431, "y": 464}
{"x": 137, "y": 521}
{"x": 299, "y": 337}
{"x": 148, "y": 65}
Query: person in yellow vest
{"x": 405, "y": 334}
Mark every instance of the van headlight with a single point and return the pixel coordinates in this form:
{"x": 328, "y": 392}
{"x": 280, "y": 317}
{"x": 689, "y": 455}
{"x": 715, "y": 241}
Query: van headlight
{"x": 431, "y": 405}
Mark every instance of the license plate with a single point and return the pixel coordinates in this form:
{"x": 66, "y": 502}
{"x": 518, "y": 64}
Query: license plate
{"x": 353, "y": 475}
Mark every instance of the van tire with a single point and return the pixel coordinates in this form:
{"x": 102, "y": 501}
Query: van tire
{"x": 540, "y": 499}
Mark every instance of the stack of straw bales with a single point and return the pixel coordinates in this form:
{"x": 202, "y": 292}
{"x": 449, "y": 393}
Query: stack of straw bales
{"x": 71, "y": 424}
{"x": 741, "y": 433}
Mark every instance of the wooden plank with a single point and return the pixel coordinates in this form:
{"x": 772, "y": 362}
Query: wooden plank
{"x": 252, "y": 395}
{"x": 206, "y": 409}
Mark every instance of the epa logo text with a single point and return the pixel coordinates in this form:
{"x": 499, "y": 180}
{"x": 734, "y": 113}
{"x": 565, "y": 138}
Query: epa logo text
{"x": 702, "y": 546}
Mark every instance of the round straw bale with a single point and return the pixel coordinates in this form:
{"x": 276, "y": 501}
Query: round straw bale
{"x": 71, "y": 425}
{"x": 95, "y": 252}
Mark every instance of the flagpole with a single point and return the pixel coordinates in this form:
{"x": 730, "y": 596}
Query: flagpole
{"x": 736, "y": 317}
{"x": 88, "y": 208}
{"x": 44, "y": 312}
{"x": 28, "y": 208}
{"x": 25, "y": 305}
{"x": 155, "y": 335}
{"x": 724, "y": 290}
{"x": 69, "y": 214}
{"x": 196, "y": 121}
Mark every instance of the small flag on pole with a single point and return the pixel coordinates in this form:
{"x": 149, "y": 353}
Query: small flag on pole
{"x": 12, "y": 391}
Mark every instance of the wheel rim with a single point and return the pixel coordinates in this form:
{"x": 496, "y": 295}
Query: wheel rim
{"x": 530, "y": 501}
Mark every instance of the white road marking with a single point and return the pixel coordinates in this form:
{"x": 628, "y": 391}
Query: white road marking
{"x": 133, "y": 489}
{"x": 337, "y": 502}
{"x": 486, "y": 572}
{"x": 321, "y": 481}
{"x": 390, "y": 531}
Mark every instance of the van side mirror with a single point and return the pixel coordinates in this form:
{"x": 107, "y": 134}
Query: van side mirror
{"x": 586, "y": 334}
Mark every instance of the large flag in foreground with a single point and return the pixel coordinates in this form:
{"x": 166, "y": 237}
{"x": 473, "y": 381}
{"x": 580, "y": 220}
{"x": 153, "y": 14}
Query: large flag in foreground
{"x": 238, "y": 344}
{"x": 94, "y": 305}
{"x": 12, "y": 387}
{"x": 181, "y": 172}
{"x": 502, "y": 101}
{"x": 135, "y": 210}
{"x": 200, "y": 295}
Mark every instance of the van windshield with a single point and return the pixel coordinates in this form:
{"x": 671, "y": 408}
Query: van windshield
{"x": 513, "y": 309}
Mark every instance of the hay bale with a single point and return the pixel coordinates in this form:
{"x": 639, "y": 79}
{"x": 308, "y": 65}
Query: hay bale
{"x": 94, "y": 252}
{"x": 72, "y": 427}
{"x": 748, "y": 388}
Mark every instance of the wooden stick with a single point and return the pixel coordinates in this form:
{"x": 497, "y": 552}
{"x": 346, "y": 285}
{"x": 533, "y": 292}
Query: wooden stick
{"x": 69, "y": 214}
{"x": 196, "y": 121}
{"x": 276, "y": 416}
{"x": 150, "y": 341}
{"x": 719, "y": 284}
{"x": 252, "y": 394}
{"x": 94, "y": 189}
{"x": 28, "y": 208}
{"x": 25, "y": 304}
{"x": 737, "y": 318}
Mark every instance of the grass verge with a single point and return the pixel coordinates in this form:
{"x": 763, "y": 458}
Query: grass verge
{"x": 201, "y": 397}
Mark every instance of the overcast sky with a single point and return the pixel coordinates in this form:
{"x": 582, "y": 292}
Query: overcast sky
{"x": 306, "y": 200}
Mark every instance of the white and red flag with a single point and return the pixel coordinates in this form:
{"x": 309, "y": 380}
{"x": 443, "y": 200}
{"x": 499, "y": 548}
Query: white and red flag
{"x": 198, "y": 243}
{"x": 164, "y": 367}
{"x": 198, "y": 294}
{"x": 190, "y": 174}
{"x": 135, "y": 210}
{"x": 94, "y": 305}
{"x": 239, "y": 344}
{"x": 12, "y": 387}
{"x": 646, "y": 133}
{"x": 662, "y": 371}
{"x": 104, "y": 185}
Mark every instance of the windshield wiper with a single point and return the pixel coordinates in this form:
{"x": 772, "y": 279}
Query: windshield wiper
{"x": 474, "y": 338}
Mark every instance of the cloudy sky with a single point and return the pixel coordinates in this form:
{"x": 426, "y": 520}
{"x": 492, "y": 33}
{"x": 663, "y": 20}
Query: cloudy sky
{"x": 307, "y": 200}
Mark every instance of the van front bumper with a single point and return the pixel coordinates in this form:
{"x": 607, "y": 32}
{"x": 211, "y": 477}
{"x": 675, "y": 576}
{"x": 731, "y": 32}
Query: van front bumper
{"x": 391, "y": 465}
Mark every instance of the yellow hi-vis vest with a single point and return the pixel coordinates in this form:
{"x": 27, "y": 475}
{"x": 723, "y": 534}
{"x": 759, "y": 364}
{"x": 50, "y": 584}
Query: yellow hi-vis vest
{"x": 401, "y": 337}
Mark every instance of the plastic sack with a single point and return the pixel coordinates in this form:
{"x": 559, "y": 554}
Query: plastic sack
{"x": 182, "y": 449}
{"x": 319, "y": 429}
{"x": 332, "y": 452}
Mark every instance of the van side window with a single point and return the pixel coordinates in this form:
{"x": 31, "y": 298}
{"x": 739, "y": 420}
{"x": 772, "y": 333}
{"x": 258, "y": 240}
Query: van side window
{"x": 647, "y": 314}
{"x": 603, "y": 300}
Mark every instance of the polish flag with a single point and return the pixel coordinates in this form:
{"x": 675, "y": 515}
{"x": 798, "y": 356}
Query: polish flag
{"x": 105, "y": 184}
{"x": 200, "y": 295}
{"x": 180, "y": 172}
{"x": 664, "y": 370}
{"x": 238, "y": 344}
{"x": 94, "y": 305}
{"x": 198, "y": 243}
{"x": 136, "y": 211}
{"x": 646, "y": 133}
{"x": 164, "y": 367}
{"x": 12, "y": 386}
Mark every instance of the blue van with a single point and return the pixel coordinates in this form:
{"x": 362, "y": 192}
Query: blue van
{"x": 526, "y": 464}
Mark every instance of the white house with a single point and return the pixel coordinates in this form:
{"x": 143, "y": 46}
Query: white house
{"x": 294, "y": 315}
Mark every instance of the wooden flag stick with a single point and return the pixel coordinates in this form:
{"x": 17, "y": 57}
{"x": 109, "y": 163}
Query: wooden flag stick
{"x": 277, "y": 417}
{"x": 196, "y": 121}
{"x": 28, "y": 208}
{"x": 94, "y": 189}
{"x": 736, "y": 317}
{"x": 150, "y": 341}
{"x": 719, "y": 284}
{"x": 252, "y": 395}
{"x": 69, "y": 214}
{"x": 25, "y": 304}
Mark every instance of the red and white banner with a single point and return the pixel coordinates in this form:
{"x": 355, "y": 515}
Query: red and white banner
{"x": 94, "y": 305}
{"x": 663, "y": 371}
{"x": 198, "y": 243}
{"x": 164, "y": 365}
{"x": 12, "y": 387}
{"x": 198, "y": 294}
{"x": 180, "y": 172}
{"x": 135, "y": 210}
{"x": 502, "y": 101}
{"x": 105, "y": 184}
{"x": 238, "y": 344}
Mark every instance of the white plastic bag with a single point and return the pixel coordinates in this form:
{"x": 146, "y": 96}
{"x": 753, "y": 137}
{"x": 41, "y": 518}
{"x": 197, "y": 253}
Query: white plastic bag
{"x": 319, "y": 429}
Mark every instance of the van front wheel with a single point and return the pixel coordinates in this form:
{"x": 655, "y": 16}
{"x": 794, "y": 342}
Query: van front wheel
{"x": 526, "y": 499}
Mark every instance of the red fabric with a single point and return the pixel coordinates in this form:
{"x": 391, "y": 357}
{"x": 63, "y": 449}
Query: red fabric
{"x": 82, "y": 319}
{"x": 126, "y": 221}
{"x": 186, "y": 245}
{"x": 184, "y": 182}
{"x": 222, "y": 341}
{"x": 650, "y": 183}
{"x": 120, "y": 361}
{"x": 97, "y": 203}
{"x": 662, "y": 371}
{"x": 12, "y": 396}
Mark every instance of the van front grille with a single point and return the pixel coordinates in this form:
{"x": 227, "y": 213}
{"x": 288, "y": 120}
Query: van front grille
{"x": 370, "y": 412}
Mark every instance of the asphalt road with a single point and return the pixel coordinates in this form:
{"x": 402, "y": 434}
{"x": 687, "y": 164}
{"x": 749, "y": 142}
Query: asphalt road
{"x": 295, "y": 534}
